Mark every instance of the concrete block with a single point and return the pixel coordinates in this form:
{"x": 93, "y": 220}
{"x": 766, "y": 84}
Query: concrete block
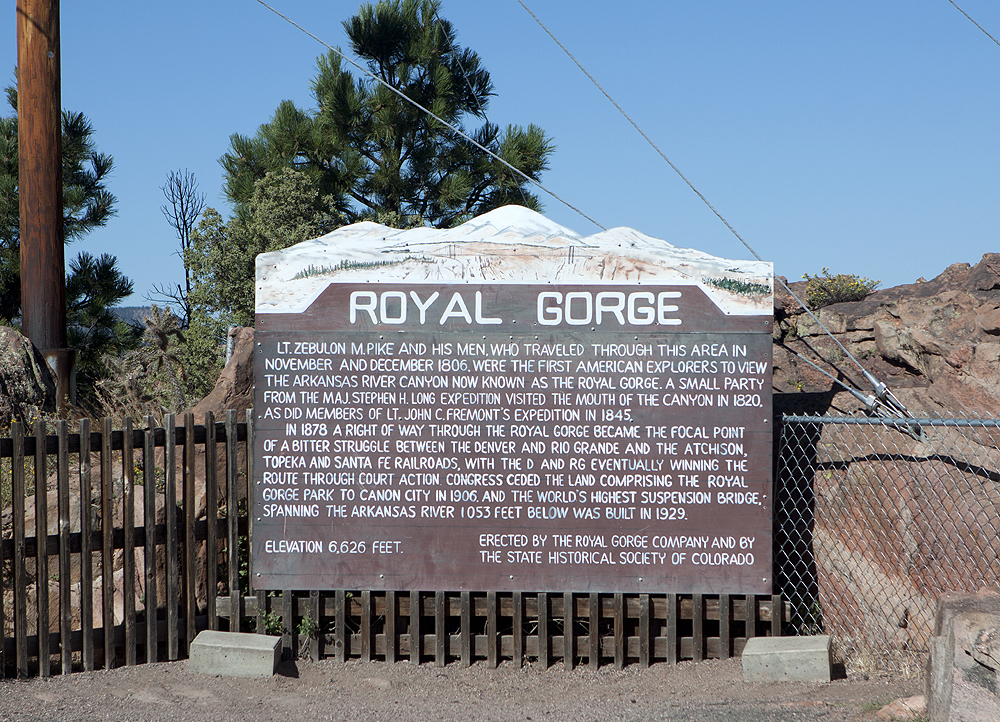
{"x": 234, "y": 654}
{"x": 787, "y": 659}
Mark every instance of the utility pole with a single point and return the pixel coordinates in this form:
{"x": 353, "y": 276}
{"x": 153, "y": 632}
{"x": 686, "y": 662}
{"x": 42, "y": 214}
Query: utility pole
{"x": 39, "y": 136}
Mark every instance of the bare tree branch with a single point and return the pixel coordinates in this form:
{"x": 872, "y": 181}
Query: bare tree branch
{"x": 182, "y": 209}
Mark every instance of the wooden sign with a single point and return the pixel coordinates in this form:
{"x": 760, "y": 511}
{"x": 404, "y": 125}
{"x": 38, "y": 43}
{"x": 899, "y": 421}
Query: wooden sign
{"x": 577, "y": 436}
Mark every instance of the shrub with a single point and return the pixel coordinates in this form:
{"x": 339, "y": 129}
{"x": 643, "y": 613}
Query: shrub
{"x": 840, "y": 288}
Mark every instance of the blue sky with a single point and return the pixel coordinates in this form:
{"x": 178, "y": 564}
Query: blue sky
{"x": 855, "y": 135}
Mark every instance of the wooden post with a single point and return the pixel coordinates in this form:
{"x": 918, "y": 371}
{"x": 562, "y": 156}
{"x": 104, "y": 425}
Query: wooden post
{"x": 644, "y": 645}
{"x": 65, "y": 580}
{"x": 40, "y": 191}
{"x": 440, "y": 633}
{"x": 594, "y": 647}
{"x": 20, "y": 566}
{"x": 170, "y": 520}
{"x": 86, "y": 548}
{"x": 212, "y": 520}
{"x": 543, "y": 630}
{"x": 342, "y": 638}
{"x": 41, "y": 501}
{"x": 466, "y": 643}
{"x": 128, "y": 553}
{"x": 569, "y": 637}
{"x": 492, "y": 640}
{"x": 725, "y": 614}
{"x": 390, "y": 626}
{"x": 149, "y": 517}
{"x": 107, "y": 546}
{"x": 518, "y": 629}
{"x": 671, "y": 628}
{"x": 698, "y": 626}
{"x": 187, "y": 486}
{"x": 367, "y": 642}
{"x": 415, "y": 640}
{"x": 621, "y": 641}
{"x": 233, "y": 524}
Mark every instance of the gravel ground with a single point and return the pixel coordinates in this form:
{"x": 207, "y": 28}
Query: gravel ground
{"x": 712, "y": 690}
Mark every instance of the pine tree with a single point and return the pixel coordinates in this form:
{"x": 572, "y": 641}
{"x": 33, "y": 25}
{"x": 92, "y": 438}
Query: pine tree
{"x": 93, "y": 285}
{"x": 87, "y": 204}
{"x": 371, "y": 152}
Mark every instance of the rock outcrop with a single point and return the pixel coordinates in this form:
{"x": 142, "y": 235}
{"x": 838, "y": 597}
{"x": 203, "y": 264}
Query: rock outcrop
{"x": 234, "y": 389}
{"x": 26, "y": 385}
{"x": 962, "y": 679}
{"x": 936, "y": 343}
{"x": 898, "y": 523}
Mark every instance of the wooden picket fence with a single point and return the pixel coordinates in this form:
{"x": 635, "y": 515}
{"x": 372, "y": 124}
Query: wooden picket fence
{"x": 126, "y": 589}
{"x": 515, "y": 626}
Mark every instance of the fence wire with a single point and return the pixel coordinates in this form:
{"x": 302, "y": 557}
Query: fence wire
{"x": 875, "y": 519}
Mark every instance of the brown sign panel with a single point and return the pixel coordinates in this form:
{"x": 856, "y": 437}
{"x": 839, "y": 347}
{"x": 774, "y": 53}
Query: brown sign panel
{"x": 513, "y": 437}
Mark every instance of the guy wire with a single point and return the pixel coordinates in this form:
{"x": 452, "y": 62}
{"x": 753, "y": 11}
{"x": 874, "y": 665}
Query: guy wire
{"x": 879, "y": 387}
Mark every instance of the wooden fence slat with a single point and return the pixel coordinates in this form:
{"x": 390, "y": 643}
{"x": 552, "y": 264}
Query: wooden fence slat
{"x": 287, "y": 625}
{"x": 671, "y": 629}
{"x": 86, "y": 548}
{"x": 569, "y": 636}
{"x": 644, "y": 652}
{"x": 249, "y": 497}
{"x": 698, "y": 626}
{"x": 342, "y": 638}
{"x": 751, "y": 616}
{"x": 518, "y": 629}
{"x": 65, "y": 529}
{"x": 3, "y": 611}
{"x": 261, "y": 611}
{"x": 440, "y": 632}
{"x": 107, "y": 548}
{"x": 212, "y": 517}
{"x": 366, "y": 626}
{"x": 41, "y": 557}
{"x": 543, "y": 630}
{"x": 414, "y": 631}
{"x": 594, "y": 632}
{"x": 492, "y": 636}
{"x": 171, "y": 551}
{"x": 317, "y": 631}
{"x": 188, "y": 489}
{"x": 20, "y": 569}
{"x": 128, "y": 553}
{"x": 465, "y": 636}
{"x": 725, "y": 638}
{"x": 776, "y": 615}
{"x": 149, "y": 518}
{"x": 232, "y": 524}
{"x": 391, "y": 635}
{"x": 619, "y": 622}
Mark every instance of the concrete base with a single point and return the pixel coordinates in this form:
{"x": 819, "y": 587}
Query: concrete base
{"x": 787, "y": 659}
{"x": 234, "y": 654}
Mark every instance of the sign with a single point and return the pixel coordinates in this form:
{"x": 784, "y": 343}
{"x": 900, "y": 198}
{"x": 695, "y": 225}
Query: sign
{"x": 576, "y": 436}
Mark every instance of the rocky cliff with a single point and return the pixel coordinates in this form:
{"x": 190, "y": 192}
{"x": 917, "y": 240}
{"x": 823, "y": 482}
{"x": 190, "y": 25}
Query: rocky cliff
{"x": 895, "y": 519}
{"x": 935, "y": 343}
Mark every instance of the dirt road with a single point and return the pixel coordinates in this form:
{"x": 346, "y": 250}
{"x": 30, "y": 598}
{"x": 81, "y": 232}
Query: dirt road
{"x": 707, "y": 691}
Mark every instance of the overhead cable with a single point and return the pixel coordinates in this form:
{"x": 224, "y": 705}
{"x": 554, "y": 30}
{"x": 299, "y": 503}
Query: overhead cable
{"x": 974, "y": 22}
{"x": 431, "y": 114}
{"x": 882, "y": 392}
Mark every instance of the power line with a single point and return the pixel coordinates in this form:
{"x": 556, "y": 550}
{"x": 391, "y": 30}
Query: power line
{"x": 417, "y": 105}
{"x": 883, "y": 393}
{"x": 974, "y": 22}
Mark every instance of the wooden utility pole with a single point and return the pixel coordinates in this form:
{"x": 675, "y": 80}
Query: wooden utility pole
{"x": 39, "y": 146}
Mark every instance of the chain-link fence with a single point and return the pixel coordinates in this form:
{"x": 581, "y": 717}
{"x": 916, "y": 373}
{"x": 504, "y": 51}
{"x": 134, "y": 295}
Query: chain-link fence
{"x": 874, "y": 519}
